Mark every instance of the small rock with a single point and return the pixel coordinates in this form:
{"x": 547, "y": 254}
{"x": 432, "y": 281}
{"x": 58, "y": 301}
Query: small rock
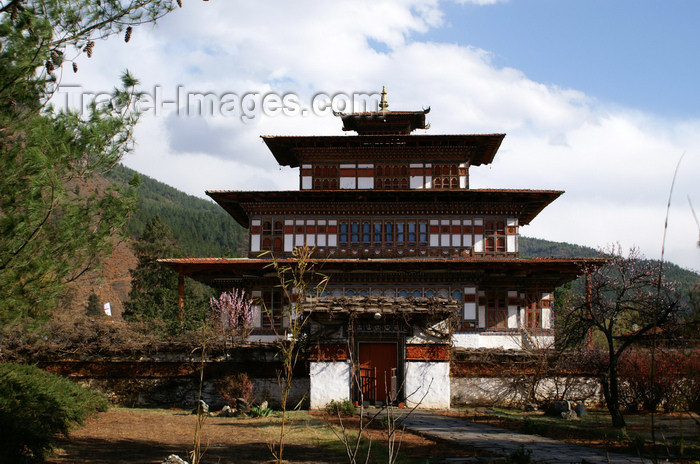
{"x": 569, "y": 415}
{"x": 227, "y": 411}
{"x": 556, "y": 408}
{"x": 203, "y": 408}
{"x": 263, "y": 405}
{"x": 581, "y": 410}
{"x": 174, "y": 459}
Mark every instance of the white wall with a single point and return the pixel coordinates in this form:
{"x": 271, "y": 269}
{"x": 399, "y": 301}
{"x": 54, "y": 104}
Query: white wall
{"x": 478, "y": 340}
{"x": 328, "y": 381}
{"x": 428, "y": 383}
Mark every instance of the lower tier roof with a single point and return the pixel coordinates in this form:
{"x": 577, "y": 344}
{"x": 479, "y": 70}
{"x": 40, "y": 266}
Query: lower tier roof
{"x": 552, "y": 271}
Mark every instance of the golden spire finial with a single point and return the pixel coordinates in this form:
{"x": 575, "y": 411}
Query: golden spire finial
{"x": 383, "y": 104}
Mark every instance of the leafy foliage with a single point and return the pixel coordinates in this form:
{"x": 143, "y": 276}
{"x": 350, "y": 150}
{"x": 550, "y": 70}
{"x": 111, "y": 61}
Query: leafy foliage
{"x": 153, "y": 296}
{"x": 235, "y": 386}
{"x": 674, "y": 385}
{"x": 36, "y": 408}
{"x": 55, "y": 218}
{"x": 340, "y": 408}
{"x": 257, "y": 411}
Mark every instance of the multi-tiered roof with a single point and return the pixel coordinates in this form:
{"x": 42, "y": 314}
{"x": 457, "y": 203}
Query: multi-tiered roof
{"x": 386, "y": 201}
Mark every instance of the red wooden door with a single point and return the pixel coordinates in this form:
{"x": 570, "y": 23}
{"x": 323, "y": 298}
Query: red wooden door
{"x": 382, "y": 359}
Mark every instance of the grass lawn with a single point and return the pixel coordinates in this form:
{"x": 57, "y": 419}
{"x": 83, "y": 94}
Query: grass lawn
{"x": 150, "y": 435}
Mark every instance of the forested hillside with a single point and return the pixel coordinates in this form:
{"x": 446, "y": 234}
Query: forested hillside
{"x": 200, "y": 227}
{"x": 538, "y": 248}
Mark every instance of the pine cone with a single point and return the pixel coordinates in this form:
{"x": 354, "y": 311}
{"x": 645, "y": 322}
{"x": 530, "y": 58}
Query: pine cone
{"x": 56, "y": 58}
{"x": 179, "y": 3}
{"x": 49, "y": 66}
{"x": 88, "y": 48}
{"x": 75, "y": 67}
{"x": 127, "y": 34}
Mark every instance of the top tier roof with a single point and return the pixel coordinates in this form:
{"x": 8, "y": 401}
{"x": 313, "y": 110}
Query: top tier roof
{"x": 384, "y": 122}
{"x": 384, "y": 135}
{"x": 294, "y": 150}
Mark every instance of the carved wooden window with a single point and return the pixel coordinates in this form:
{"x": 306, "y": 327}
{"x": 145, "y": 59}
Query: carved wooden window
{"x": 343, "y": 235}
{"x": 390, "y": 177}
{"x": 273, "y": 303}
{"x": 355, "y": 232}
{"x": 272, "y": 235}
{"x": 497, "y": 310}
{"x": 533, "y": 312}
{"x": 325, "y": 177}
{"x": 494, "y": 236}
{"x": 423, "y": 232}
{"x": 445, "y": 176}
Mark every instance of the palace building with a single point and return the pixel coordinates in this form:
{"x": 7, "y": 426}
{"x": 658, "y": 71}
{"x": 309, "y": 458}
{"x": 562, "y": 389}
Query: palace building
{"x": 418, "y": 262}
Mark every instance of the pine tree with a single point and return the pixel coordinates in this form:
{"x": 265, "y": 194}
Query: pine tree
{"x": 153, "y": 295}
{"x": 93, "y": 306}
{"x": 56, "y": 220}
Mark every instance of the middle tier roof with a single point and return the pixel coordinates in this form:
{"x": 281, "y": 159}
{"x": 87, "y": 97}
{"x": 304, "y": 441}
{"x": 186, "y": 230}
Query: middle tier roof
{"x": 523, "y": 204}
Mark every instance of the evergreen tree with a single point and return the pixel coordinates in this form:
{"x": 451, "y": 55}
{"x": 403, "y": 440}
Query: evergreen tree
{"x": 93, "y": 308}
{"x": 55, "y": 219}
{"x": 153, "y": 296}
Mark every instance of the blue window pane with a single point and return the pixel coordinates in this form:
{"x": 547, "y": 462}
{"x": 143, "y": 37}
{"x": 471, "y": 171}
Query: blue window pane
{"x": 399, "y": 232}
{"x": 430, "y": 293}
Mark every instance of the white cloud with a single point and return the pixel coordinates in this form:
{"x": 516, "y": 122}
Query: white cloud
{"x": 614, "y": 164}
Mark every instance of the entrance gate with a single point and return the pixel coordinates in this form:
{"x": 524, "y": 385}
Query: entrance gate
{"x": 378, "y": 363}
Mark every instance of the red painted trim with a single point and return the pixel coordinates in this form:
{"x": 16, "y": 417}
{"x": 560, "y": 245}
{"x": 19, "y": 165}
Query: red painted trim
{"x": 427, "y": 353}
{"x": 335, "y": 352}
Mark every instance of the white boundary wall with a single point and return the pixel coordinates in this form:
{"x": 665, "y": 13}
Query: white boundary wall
{"x": 420, "y": 376}
{"x": 328, "y": 381}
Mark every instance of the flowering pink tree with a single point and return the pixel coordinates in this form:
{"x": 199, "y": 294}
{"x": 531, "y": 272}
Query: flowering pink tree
{"x": 232, "y": 313}
{"x": 624, "y": 301}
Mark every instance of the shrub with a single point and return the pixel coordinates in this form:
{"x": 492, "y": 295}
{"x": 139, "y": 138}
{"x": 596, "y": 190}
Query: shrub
{"x": 235, "y": 386}
{"x": 673, "y": 385}
{"x": 521, "y": 455}
{"x": 342, "y": 408}
{"x": 36, "y": 408}
{"x": 257, "y": 411}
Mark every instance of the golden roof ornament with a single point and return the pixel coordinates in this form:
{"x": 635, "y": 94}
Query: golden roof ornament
{"x": 383, "y": 104}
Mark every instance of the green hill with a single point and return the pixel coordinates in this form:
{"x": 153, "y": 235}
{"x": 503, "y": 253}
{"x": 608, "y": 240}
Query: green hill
{"x": 200, "y": 227}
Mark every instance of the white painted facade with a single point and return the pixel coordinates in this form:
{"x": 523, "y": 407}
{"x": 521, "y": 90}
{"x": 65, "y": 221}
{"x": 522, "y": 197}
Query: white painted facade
{"x": 503, "y": 341}
{"x": 328, "y": 381}
{"x": 427, "y": 384}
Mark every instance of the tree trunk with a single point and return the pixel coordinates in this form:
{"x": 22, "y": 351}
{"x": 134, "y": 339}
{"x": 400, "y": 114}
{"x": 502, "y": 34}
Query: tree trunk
{"x": 609, "y": 382}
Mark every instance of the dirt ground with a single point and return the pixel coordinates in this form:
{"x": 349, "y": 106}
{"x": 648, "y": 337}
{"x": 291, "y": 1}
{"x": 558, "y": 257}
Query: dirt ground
{"x": 149, "y": 436}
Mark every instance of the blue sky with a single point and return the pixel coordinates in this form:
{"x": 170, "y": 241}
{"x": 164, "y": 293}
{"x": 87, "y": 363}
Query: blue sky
{"x": 597, "y": 98}
{"x": 639, "y": 53}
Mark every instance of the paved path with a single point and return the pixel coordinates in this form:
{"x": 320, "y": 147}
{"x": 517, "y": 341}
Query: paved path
{"x": 502, "y": 442}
